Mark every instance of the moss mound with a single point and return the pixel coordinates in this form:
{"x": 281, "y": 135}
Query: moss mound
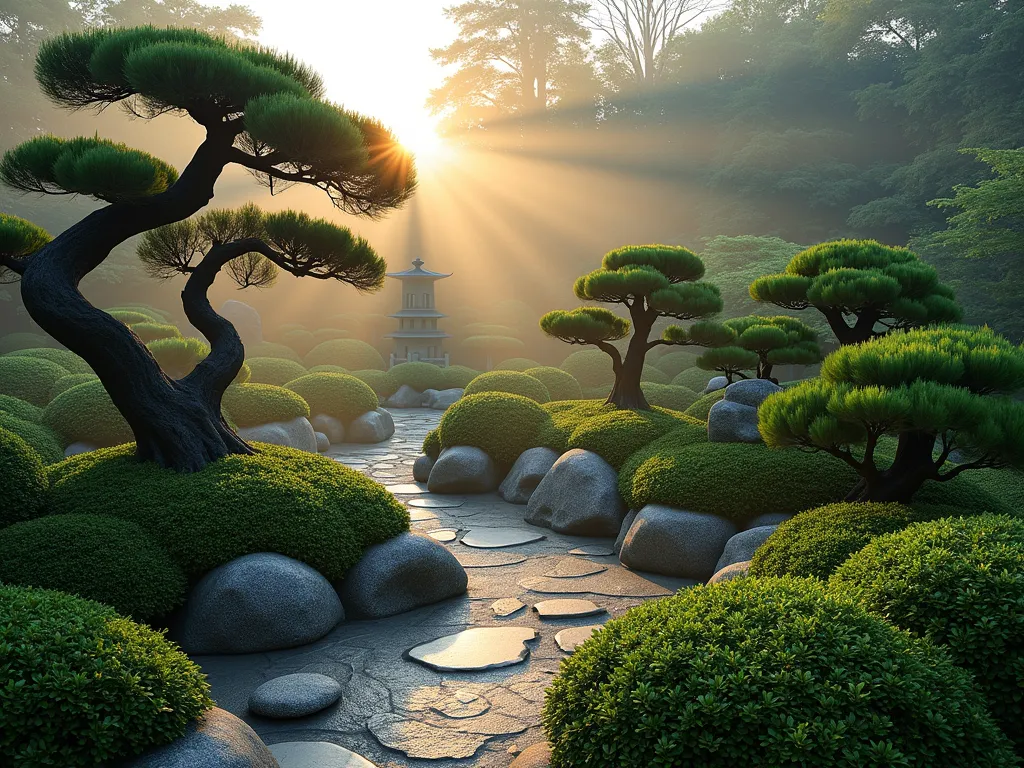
{"x": 41, "y": 439}
{"x": 654, "y": 375}
{"x": 382, "y": 383}
{"x": 512, "y": 382}
{"x": 29, "y": 378}
{"x": 148, "y": 332}
{"x": 15, "y": 341}
{"x": 432, "y": 444}
{"x": 419, "y": 376}
{"x": 253, "y": 404}
{"x": 702, "y": 405}
{"x": 559, "y": 384}
{"x": 518, "y": 364}
{"x": 270, "y": 349}
{"x": 86, "y": 687}
{"x": 151, "y": 313}
{"x": 330, "y": 369}
{"x": 278, "y": 500}
{"x": 959, "y": 583}
{"x": 86, "y": 414}
{"x": 178, "y": 357}
{"x": 590, "y": 367}
{"x": 674, "y": 363}
{"x": 668, "y": 396}
{"x": 336, "y": 394}
{"x": 458, "y": 376}
{"x": 766, "y": 672}
{"x": 616, "y": 435}
{"x": 99, "y": 558}
{"x": 132, "y": 316}
{"x": 738, "y": 481}
{"x": 12, "y": 406}
{"x": 69, "y": 361}
{"x": 24, "y": 480}
{"x": 348, "y": 353}
{"x": 301, "y": 341}
{"x": 504, "y": 425}
{"x": 273, "y": 370}
{"x": 69, "y": 381}
{"x": 694, "y": 378}
{"x": 1007, "y": 485}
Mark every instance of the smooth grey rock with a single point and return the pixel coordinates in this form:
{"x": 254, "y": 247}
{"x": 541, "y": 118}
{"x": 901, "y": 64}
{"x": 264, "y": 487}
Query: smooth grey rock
{"x": 675, "y": 542}
{"x": 733, "y": 571}
{"x": 406, "y": 572}
{"x": 76, "y": 448}
{"x": 495, "y": 538}
{"x": 566, "y": 608}
{"x": 323, "y": 443}
{"x": 578, "y": 496}
{"x": 330, "y": 426}
{"x": 569, "y": 639}
{"x": 476, "y": 649}
{"x": 294, "y": 695}
{"x": 733, "y": 423}
{"x": 716, "y": 383}
{"x": 768, "y": 518}
{"x": 742, "y": 546}
{"x": 427, "y": 397}
{"x": 526, "y": 474}
{"x": 259, "y": 602}
{"x": 371, "y": 427}
{"x": 750, "y": 392}
{"x": 624, "y": 529}
{"x": 421, "y": 469}
{"x": 463, "y": 469}
{"x": 405, "y": 397}
{"x": 297, "y": 433}
{"x": 316, "y": 754}
{"x": 245, "y": 319}
{"x": 446, "y": 398}
{"x": 389, "y": 420}
{"x": 216, "y": 740}
{"x": 537, "y": 756}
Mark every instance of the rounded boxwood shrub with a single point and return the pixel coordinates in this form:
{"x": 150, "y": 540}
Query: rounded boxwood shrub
{"x": 326, "y": 334}
{"x": 432, "y": 444}
{"x": 155, "y": 315}
{"x": 270, "y": 349}
{"x": 668, "y": 396}
{"x": 590, "y": 367}
{"x": 1005, "y": 484}
{"x": 69, "y": 361}
{"x": 458, "y": 376}
{"x": 131, "y": 316}
{"x": 502, "y": 424}
{"x": 15, "y": 341}
{"x": 29, "y": 378}
{"x": 273, "y": 370}
{"x": 618, "y": 434}
{"x": 43, "y": 440}
{"x": 301, "y": 341}
{"x": 738, "y": 481}
{"x": 148, "y": 332}
{"x": 329, "y": 369}
{"x": 653, "y": 375}
{"x": 960, "y": 583}
{"x": 702, "y": 405}
{"x": 253, "y": 404}
{"x": 513, "y": 382}
{"x": 381, "y": 382}
{"x": 86, "y": 414}
{"x": 519, "y": 364}
{"x": 178, "y": 357}
{"x": 71, "y": 380}
{"x": 85, "y": 686}
{"x": 560, "y": 385}
{"x": 566, "y": 417}
{"x": 99, "y": 558}
{"x": 20, "y": 409}
{"x": 336, "y": 394}
{"x": 768, "y": 672}
{"x": 282, "y": 500}
{"x": 419, "y": 376}
{"x": 24, "y": 480}
{"x": 694, "y": 378}
{"x": 674, "y": 363}
{"x": 348, "y": 353}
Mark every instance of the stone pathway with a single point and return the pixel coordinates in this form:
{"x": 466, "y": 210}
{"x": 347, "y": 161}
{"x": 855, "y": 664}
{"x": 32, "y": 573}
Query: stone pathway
{"x": 398, "y": 712}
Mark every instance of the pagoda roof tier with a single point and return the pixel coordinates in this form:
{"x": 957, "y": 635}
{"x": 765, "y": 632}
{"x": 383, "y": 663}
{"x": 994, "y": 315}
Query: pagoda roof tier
{"x": 423, "y": 334}
{"x": 418, "y": 271}
{"x": 418, "y": 313}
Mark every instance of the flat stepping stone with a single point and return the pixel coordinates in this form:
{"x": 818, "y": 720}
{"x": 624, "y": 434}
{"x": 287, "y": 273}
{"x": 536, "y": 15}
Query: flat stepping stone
{"x": 569, "y": 638}
{"x": 443, "y": 535}
{"x": 316, "y": 754}
{"x": 495, "y": 538}
{"x": 572, "y": 567}
{"x": 613, "y": 583}
{"x": 462, "y": 704}
{"x": 421, "y": 740}
{"x": 421, "y": 515}
{"x": 432, "y": 503}
{"x": 295, "y": 695}
{"x": 506, "y": 606}
{"x": 385, "y": 475}
{"x": 566, "y": 609}
{"x": 591, "y": 550}
{"x": 406, "y": 489}
{"x": 384, "y": 466}
{"x": 489, "y": 560}
{"x": 476, "y": 649}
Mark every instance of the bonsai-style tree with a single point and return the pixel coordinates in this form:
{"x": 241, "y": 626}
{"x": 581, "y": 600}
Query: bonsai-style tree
{"x": 864, "y": 289}
{"x": 761, "y": 344}
{"x": 650, "y": 281}
{"x": 260, "y": 110}
{"x": 936, "y": 390}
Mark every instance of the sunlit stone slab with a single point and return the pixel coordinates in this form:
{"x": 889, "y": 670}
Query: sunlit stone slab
{"x": 493, "y": 538}
{"x": 316, "y": 754}
{"x": 443, "y": 535}
{"x": 421, "y": 740}
{"x": 570, "y": 567}
{"x": 566, "y": 609}
{"x": 488, "y": 559}
{"x": 506, "y": 606}
{"x": 421, "y": 515}
{"x": 614, "y": 583}
{"x": 431, "y": 502}
{"x": 591, "y": 550}
{"x": 569, "y": 638}
{"x": 406, "y": 489}
{"x": 476, "y": 649}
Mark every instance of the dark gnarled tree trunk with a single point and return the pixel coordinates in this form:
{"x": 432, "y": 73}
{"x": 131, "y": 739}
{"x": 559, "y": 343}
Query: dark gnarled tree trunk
{"x": 912, "y": 467}
{"x": 627, "y": 393}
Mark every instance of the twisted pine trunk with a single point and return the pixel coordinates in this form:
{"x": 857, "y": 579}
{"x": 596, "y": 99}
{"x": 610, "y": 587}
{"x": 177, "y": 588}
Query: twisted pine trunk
{"x": 627, "y": 393}
{"x": 176, "y": 424}
{"x": 912, "y": 467}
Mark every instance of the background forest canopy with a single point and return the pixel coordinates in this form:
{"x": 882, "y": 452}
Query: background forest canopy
{"x": 765, "y": 125}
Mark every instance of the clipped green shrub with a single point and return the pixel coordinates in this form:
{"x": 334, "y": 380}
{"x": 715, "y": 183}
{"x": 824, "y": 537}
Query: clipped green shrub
{"x": 458, "y": 376}
{"x": 148, "y": 332}
{"x": 654, "y": 375}
{"x": 282, "y": 500}
{"x": 702, "y": 405}
{"x": 519, "y": 364}
{"x": 131, "y": 316}
{"x": 85, "y": 686}
{"x": 71, "y": 380}
{"x": 20, "y": 409}
{"x": 41, "y": 439}
{"x": 15, "y": 341}
{"x": 273, "y": 370}
{"x": 590, "y": 367}
{"x": 566, "y": 417}
{"x": 1005, "y": 484}
{"x": 513, "y": 382}
{"x": 419, "y": 376}
{"x": 674, "y": 363}
{"x": 69, "y": 361}
{"x": 668, "y": 396}
{"x": 301, "y": 341}
{"x": 86, "y": 414}
{"x": 348, "y": 353}
{"x": 270, "y": 349}
{"x": 29, "y": 378}
{"x": 155, "y": 315}
{"x": 99, "y": 558}
{"x": 336, "y": 394}
{"x": 738, "y": 481}
{"x": 959, "y": 582}
{"x": 432, "y": 444}
{"x": 253, "y": 404}
{"x": 502, "y": 424}
{"x": 618, "y": 434}
{"x": 767, "y": 672}
{"x": 328, "y": 369}
{"x": 559, "y": 384}
{"x": 694, "y": 378}
{"x": 24, "y": 481}
{"x": 381, "y": 382}
{"x": 178, "y": 357}
{"x": 597, "y": 393}
{"x": 326, "y": 334}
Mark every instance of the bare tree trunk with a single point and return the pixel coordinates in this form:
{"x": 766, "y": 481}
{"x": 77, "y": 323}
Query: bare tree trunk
{"x": 912, "y": 467}
{"x": 627, "y": 393}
